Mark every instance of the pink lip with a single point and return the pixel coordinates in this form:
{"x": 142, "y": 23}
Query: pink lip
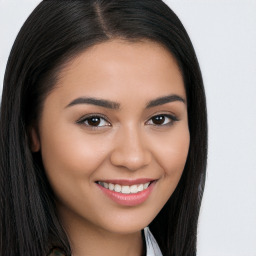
{"x": 128, "y": 199}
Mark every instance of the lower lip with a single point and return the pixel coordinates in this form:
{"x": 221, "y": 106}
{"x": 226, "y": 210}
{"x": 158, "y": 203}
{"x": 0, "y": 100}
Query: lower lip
{"x": 128, "y": 199}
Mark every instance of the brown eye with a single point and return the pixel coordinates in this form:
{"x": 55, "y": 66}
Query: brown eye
{"x": 161, "y": 120}
{"x": 94, "y": 121}
{"x": 158, "y": 120}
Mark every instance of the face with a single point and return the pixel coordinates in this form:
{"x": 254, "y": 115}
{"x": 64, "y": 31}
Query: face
{"x": 114, "y": 135}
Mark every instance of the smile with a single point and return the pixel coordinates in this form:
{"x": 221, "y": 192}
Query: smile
{"x": 127, "y": 192}
{"x": 124, "y": 189}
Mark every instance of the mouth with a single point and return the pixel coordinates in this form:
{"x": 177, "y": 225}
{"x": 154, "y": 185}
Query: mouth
{"x": 125, "y": 188}
{"x": 127, "y": 192}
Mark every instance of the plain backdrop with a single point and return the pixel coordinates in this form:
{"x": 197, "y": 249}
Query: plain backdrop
{"x": 224, "y": 36}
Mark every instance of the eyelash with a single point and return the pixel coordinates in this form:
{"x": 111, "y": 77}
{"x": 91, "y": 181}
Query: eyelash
{"x": 85, "y": 119}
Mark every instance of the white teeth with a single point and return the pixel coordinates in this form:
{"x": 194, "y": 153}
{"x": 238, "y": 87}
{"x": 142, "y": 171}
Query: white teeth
{"x": 140, "y": 187}
{"x": 111, "y": 186}
{"x": 124, "y": 189}
{"x": 134, "y": 189}
{"x": 146, "y": 185}
{"x": 118, "y": 188}
{"x": 105, "y": 185}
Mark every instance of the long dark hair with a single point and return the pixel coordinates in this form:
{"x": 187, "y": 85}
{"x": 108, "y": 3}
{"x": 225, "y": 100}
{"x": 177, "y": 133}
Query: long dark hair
{"x": 55, "y": 32}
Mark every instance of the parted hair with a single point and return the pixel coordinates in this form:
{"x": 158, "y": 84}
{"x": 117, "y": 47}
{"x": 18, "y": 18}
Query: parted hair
{"x": 55, "y": 32}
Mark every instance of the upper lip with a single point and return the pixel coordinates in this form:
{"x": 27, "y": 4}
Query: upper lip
{"x": 128, "y": 182}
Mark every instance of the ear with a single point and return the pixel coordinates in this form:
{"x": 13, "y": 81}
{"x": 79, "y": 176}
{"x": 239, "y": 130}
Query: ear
{"x": 35, "y": 144}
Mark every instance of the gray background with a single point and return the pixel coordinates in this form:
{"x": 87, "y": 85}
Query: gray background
{"x": 224, "y": 36}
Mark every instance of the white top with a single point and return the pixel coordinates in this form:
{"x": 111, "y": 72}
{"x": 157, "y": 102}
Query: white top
{"x": 151, "y": 243}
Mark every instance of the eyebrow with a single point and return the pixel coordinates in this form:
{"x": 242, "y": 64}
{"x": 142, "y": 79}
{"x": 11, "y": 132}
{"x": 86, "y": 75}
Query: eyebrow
{"x": 94, "y": 101}
{"x": 116, "y": 106}
{"x": 164, "y": 100}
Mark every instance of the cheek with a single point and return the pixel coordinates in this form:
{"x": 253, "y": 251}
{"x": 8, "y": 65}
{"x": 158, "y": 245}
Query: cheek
{"x": 69, "y": 155}
{"x": 172, "y": 150}
{"x": 176, "y": 156}
{"x": 171, "y": 156}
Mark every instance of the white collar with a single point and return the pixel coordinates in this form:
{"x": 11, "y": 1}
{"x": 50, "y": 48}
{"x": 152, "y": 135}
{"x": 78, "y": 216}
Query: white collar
{"x": 151, "y": 243}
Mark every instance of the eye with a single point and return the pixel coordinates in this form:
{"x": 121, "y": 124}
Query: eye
{"x": 94, "y": 121}
{"x": 160, "y": 120}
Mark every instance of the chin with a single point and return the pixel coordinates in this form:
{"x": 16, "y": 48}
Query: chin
{"x": 128, "y": 223}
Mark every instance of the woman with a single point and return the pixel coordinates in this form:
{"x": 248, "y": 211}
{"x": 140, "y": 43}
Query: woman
{"x": 103, "y": 132}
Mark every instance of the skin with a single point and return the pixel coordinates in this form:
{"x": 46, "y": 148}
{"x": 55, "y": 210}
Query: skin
{"x": 127, "y": 145}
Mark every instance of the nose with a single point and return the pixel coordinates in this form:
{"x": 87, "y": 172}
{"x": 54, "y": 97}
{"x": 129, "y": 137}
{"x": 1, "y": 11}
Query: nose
{"x": 130, "y": 150}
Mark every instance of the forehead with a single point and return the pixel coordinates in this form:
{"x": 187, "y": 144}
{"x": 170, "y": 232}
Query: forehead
{"x": 119, "y": 68}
